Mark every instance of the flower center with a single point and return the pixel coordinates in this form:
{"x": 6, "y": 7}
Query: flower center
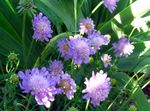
{"x": 65, "y": 47}
{"x": 65, "y": 85}
{"x": 88, "y": 26}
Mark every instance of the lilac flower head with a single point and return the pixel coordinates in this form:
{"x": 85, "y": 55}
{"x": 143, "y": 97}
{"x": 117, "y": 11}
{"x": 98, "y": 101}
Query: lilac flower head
{"x": 38, "y": 83}
{"x": 123, "y": 47}
{"x": 55, "y": 68}
{"x": 97, "y": 40}
{"x": 67, "y": 86}
{"x": 106, "y": 59}
{"x": 86, "y": 25}
{"x": 64, "y": 49}
{"x": 97, "y": 88}
{"x": 110, "y": 4}
{"x": 80, "y": 49}
{"x": 42, "y": 27}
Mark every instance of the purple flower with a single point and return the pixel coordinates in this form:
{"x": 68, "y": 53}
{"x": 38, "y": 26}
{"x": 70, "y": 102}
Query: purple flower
{"x": 67, "y": 86}
{"x": 106, "y": 59}
{"x": 97, "y": 88}
{"x": 97, "y": 40}
{"x": 55, "y": 68}
{"x": 64, "y": 49}
{"x": 110, "y": 4}
{"x": 123, "y": 47}
{"x": 86, "y": 25}
{"x": 42, "y": 27}
{"x": 38, "y": 83}
{"x": 80, "y": 49}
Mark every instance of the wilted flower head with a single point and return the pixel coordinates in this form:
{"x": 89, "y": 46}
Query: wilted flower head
{"x": 86, "y": 25}
{"x": 106, "y": 59}
{"x": 55, "y": 68}
{"x": 97, "y": 40}
{"x": 97, "y": 88}
{"x": 38, "y": 83}
{"x": 110, "y": 4}
{"x": 64, "y": 49}
{"x": 67, "y": 86}
{"x": 123, "y": 47}
{"x": 80, "y": 50}
{"x": 42, "y": 27}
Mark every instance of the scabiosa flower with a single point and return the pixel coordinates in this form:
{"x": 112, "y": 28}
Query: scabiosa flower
{"x": 38, "y": 83}
{"x": 67, "y": 86}
{"x": 86, "y": 25}
{"x": 97, "y": 40}
{"x": 110, "y": 4}
{"x": 55, "y": 68}
{"x": 42, "y": 27}
{"x": 106, "y": 59}
{"x": 123, "y": 47}
{"x": 64, "y": 49}
{"x": 80, "y": 49}
{"x": 97, "y": 88}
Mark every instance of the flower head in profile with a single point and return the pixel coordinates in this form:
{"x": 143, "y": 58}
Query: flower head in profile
{"x": 55, "y": 68}
{"x": 97, "y": 88}
{"x": 123, "y": 47}
{"x": 80, "y": 49}
{"x": 42, "y": 28}
{"x": 97, "y": 40}
{"x": 64, "y": 49}
{"x": 67, "y": 86}
{"x": 86, "y": 25}
{"x": 106, "y": 59}
{"x": 110, "y": 4}
{"x": 37, "y": 82}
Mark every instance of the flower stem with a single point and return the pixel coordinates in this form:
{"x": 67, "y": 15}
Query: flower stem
{"x": 23, "y": 36}
{"x": 131, "y": 33}
{"x": 29, "y": 100}
{"x": 94, "y": 10}
{"x": 87, "y": 105}
{"x": 75, "y": 15}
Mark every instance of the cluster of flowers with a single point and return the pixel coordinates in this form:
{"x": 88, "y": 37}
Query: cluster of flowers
{"x": 81, "y": 47}
{"x": 45, "y": 83}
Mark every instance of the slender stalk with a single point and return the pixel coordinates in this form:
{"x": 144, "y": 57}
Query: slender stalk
{"x": 29, "y": 52}
{"x": 23, "y": 36}
{"x": 131, "y": 33}
{"x": 94, "y": 10}
{"x": 75, "y": 15}
{"x": 87, "y": 105}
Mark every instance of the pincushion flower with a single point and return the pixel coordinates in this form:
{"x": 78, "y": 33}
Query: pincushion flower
{"x": 97, "y": 40}
{"x": 106, "y": 59}
{"x": 37, "y": 82}
{"x": 42, "y": 28}
{"x": 123, "y": 47}
{"x": 80, "y": 49}
{"x": 86, "y": 25}
{"x": 97, "y": 88}
{"x": 55, "y": 68}
{"x": 110, "y": 4}
{"x": 64, "y": 49}
{"x": 67, "y": 86}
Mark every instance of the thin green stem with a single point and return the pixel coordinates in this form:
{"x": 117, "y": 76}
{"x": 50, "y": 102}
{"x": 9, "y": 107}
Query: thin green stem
{"x": 94, "y": 10}
{"x": 87, "y": 105}
{"x": 131, "y": 33}
{"x": 23, "y": 36}
{"x": 75, "y": 15}
{"x": 29, "y": 52}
